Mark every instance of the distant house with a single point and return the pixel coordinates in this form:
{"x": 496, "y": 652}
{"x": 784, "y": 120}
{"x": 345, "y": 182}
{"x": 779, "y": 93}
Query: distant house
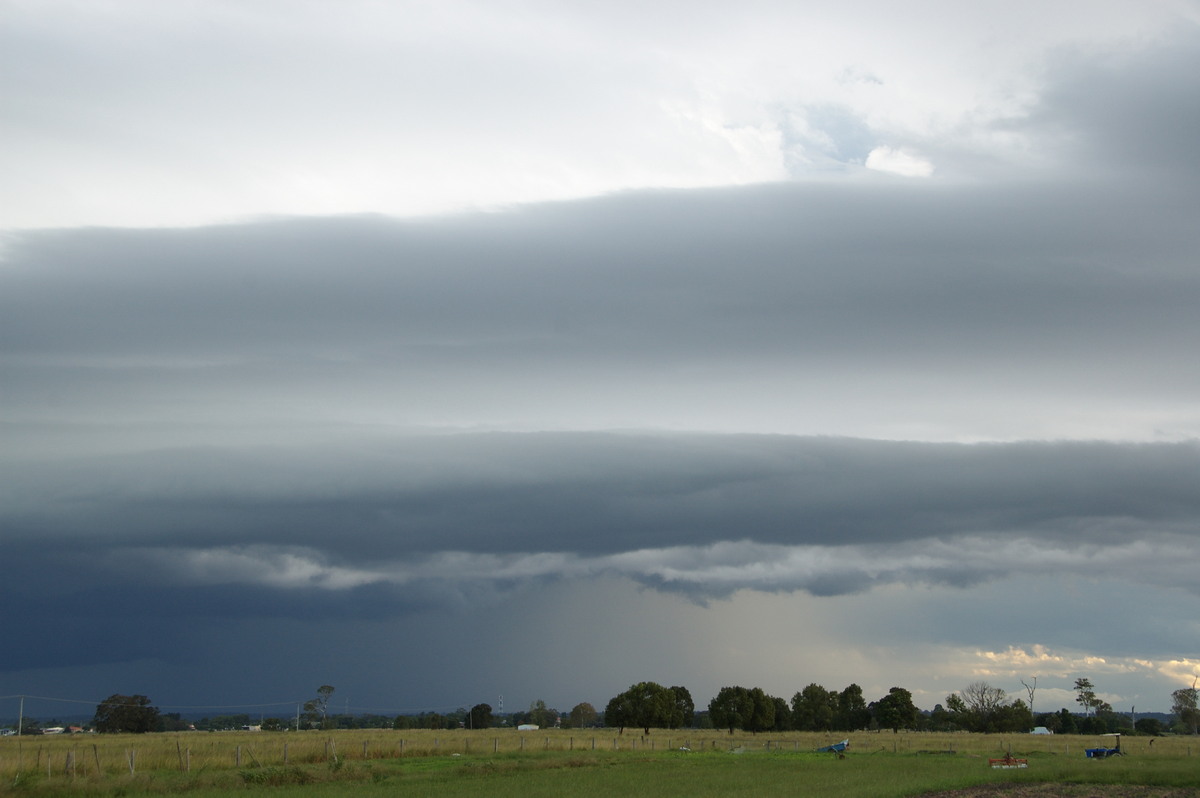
{"x": 53, "y": 730}
{"x": 528, "y": 727}
{"x": 1040, "y": 730}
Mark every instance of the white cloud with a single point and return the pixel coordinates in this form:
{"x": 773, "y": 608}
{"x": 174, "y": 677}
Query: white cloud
{"x": 149, "y": 114}
{"x": 898, "y": 162}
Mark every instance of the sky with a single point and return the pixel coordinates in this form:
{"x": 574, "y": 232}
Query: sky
{"x": 459, "y": 352}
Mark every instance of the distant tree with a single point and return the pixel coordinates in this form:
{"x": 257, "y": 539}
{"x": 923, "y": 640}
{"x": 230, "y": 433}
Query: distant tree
{"x": 614, "y": 713}
{"x": 480, "y": 717}
{"x": 941, "y": 720}
{"x": 896, "y": 710}
{"x": 644, "y": 705}
{"x": 732, "y": 708}
{"x": 814, "y": 709}
{"x": 316, "y": 710}
{"x": 980, "y": 707}
{"x": 431, "y": 720}
{"x": 1151, "y": 727}
{"x": 982, "y": 698}
{"x": 1031, "y": 689}
{"x": 852, "y": 711}
{"x": 542, "y": 716}
{"x": 1066, "y": 722}
{"x": 171, "y": 722}
{"x": 126, "y": 714}
{"x": 272, "y": 724}
{"x": 1085, "y": 695}
{"x": 1013, "y": 717}
{"x": 683, "y": 709}
{"x": 1113, "y": 721}
{"x": 783, "y": 715}
{"x": 1184, "y": 704}
{"x": 762, "y": 717}
{"x": 583, "y": 715}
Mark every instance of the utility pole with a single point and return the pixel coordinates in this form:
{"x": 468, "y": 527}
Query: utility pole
{"x": 21, "y": 716}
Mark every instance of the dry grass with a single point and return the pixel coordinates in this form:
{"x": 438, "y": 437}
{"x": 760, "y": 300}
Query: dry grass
{"x": 98, "y": 757}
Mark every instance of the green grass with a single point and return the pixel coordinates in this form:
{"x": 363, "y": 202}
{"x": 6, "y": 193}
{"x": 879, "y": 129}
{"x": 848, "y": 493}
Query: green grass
{"x": 878, "y": 766}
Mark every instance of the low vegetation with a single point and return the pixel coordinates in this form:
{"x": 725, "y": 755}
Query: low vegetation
{"x": 565, "y": 762}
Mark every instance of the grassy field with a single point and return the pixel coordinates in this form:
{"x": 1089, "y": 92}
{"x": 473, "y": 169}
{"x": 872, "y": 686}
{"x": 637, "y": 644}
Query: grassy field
{"x": 564, "y": 763}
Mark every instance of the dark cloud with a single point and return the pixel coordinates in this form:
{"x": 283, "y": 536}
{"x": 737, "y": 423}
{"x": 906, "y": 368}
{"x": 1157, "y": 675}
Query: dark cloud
{"x": 709, "y": 310}
{"x": 294, "y": 422}
{"x": 597, "y": 494}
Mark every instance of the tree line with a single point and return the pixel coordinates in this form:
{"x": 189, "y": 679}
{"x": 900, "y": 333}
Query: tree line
{"x": 979, "y": 707}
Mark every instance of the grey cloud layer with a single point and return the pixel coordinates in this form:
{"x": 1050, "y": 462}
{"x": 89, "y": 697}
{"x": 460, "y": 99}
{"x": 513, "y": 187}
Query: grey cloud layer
{"x": 336, "y": 517}
{"x": 141, "y": 547}
{"x": 584, "y": 314}
{"x": 363, "y": 418}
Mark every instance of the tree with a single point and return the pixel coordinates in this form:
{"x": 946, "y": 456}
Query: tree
{"x": 980, "y": 702}
{"x": 644, "y": 705}
{"x": 1184, "y": 705}
{"x": 762, "y": 714}
{"x": 480, "y": 716}
{"x": 783, "y": 715}
{"x": 896, "y": 710}
{"x": 683, "y": 709}
{"x": 614, "y": 713}
{"x": 1031, "y": 689}
{"x": 1151, "y": 727}
{"x": 125, "y": 713}
{"x": 541, "y": 715}
{"x": 1012, "y": 717}
{"x": 982, "y": 698}
{"x": 1086, "y": 695}
{"x": 172, "y": 721}
{"x": 431, "y": 720}
{"x": 583, "y": 715}
{"x": 852, "y": 710}
{"x": 316, "y": 710}
{"x": 979, "y": 707}
{"x": 732, "y": 707}
{"x": 814, "y": 709}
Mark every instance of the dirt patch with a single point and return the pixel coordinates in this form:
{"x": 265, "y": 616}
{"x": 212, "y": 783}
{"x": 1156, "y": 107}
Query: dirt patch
{"x": 1051, "y": 790}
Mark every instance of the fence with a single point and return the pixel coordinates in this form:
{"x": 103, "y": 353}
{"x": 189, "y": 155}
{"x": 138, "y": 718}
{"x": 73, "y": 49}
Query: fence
{"x": 99, "y": 756}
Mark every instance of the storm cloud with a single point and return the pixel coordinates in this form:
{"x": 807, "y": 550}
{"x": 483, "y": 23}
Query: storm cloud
{"x": 906, "y": 372}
